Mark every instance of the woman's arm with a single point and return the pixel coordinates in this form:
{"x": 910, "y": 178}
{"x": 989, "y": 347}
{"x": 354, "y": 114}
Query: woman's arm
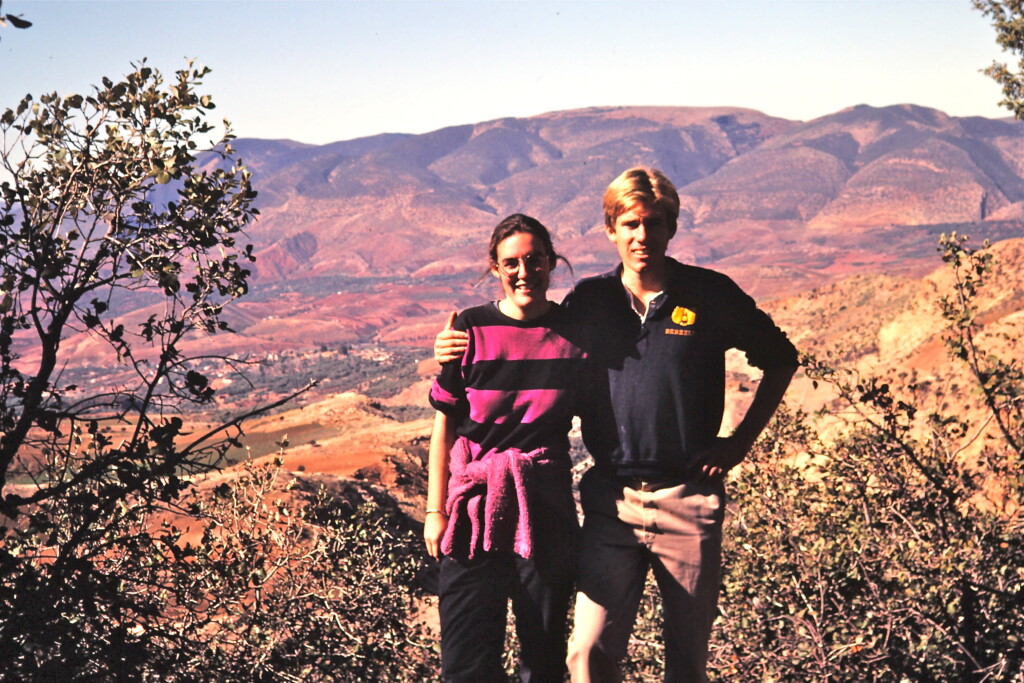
{"x": 436, "y": 522}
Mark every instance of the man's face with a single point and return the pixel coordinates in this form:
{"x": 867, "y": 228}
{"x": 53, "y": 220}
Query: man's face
{"x": 641, "y": 236}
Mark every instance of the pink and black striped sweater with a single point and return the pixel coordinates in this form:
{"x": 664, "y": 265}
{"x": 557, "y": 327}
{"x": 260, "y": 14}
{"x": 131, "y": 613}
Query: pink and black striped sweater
{"x": 513, "y": 395}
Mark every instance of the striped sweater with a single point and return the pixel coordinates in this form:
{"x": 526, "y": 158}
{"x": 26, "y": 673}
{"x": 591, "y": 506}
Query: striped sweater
{"x": 513, "y": 396}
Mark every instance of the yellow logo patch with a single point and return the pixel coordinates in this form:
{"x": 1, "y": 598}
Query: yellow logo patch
{"x": 683, "y": 316}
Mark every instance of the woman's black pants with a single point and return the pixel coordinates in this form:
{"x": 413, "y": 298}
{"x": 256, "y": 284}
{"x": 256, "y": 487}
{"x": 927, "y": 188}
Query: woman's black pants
{"x": 474, "y": 597}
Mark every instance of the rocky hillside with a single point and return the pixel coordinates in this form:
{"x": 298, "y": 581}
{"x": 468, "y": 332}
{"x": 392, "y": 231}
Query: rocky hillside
{"x": 883, "y": 321}
{"x": 374, "y": 240}
{"x": 377, "y": 238}
{"x": 893, "y": 327}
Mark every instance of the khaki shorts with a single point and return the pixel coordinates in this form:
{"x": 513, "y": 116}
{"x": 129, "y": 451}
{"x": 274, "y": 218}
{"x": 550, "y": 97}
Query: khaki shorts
{"x": 676, "y": 531}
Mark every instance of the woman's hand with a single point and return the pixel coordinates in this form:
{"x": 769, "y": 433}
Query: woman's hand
{"x": 450, "y": 345}
{"x": 434, "y": 527}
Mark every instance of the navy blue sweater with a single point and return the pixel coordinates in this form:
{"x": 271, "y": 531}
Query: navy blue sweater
{"x": 659, "y": 390}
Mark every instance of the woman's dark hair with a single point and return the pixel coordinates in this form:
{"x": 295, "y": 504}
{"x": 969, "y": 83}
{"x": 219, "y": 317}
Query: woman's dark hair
{"x": 519, "y": 222}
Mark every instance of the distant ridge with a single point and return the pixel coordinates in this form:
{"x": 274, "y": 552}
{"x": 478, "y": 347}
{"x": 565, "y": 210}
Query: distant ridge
{"x": 783, "y": 185}
{"x": 375, "y": 239}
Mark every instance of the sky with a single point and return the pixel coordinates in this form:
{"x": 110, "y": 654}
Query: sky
{"x": 328, "y": 70}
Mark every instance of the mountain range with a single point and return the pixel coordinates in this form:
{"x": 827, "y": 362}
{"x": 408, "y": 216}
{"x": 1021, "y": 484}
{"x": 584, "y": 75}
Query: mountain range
{"x": 376, "y": 239}
{"x": 782, "y": 206}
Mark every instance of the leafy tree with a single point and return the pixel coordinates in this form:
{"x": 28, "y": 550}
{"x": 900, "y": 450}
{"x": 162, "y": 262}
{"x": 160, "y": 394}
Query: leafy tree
{"x": 1008, "y": 19}
{"x": 81, "y": 226}
{"x": 81, "y": 231}
{"x": 120, "y": 557}
{"x": 892, "y": 549}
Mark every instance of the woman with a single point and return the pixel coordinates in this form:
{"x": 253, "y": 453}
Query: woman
{"x": 500, "y": 512}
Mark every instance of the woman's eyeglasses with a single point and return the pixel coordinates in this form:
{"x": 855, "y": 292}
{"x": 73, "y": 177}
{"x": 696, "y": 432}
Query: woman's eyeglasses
{"x": 510, "y": 266}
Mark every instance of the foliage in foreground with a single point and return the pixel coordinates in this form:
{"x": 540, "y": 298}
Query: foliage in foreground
{"x": 896, "y": 551}
{"x": 15, "y": 20}
{"x": 117, "y": 561}
{"x": 262, "y": 578}
{"x": 315, "y": 586}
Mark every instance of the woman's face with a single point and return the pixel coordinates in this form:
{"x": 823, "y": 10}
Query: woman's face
{"x": 524, "y": 269}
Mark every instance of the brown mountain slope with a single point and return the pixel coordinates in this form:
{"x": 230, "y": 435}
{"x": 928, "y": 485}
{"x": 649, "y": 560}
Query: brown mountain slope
{"x": 884, "y": 320}
{"x": 781, "y": 206}
{"x": 392, "y": 205}
{"x": 893, "y": 327}
{"x": 376, "y": 239}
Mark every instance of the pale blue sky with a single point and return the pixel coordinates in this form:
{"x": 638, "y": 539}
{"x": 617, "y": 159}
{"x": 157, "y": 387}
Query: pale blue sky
{"x": 334, "y": 70}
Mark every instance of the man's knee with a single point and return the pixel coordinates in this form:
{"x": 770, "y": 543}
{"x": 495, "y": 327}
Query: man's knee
{"x": 578, "y": 651}
{"x": 590, "y": 657}
{"x": 588, "y": 662}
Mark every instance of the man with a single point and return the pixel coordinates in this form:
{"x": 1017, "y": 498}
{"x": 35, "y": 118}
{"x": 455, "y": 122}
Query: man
{"x": 655, "y": 497}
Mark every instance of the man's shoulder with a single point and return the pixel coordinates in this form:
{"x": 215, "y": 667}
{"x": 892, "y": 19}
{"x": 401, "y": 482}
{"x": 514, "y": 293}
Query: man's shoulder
{"x": 594, "y": 286}
{"x": 601, "y": 280}
{"x": 685, "y": 272}
{"x": 705, "y": 281}
{"x": 601, "y": 296}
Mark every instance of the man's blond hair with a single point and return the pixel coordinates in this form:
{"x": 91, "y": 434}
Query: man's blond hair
{"x": 641, "y": 185}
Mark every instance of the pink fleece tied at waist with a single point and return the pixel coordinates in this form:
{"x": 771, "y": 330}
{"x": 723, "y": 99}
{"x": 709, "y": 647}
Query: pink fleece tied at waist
{"x": 488, "y": 500}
